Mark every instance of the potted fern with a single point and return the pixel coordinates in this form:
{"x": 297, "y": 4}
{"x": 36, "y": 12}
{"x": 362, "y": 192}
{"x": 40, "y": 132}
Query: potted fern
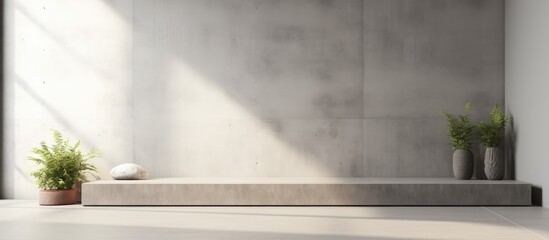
{"x": 491, "y": 135}
{"x": 61, "y": 166}
{"x": 460, "y": 133}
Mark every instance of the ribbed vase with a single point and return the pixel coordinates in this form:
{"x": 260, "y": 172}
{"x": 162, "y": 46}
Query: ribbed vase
{"x": 463, "y": 164}
{"x": 493, "y": 166}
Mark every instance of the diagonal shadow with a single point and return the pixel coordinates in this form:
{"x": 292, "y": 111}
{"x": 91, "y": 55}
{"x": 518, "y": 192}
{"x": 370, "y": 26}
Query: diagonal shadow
{"x": 62, "y": 43}
{"x": 240, "y": 77}
{"x": 326, "y": 133}
{"x": 56, "y": 114}
{"x": 273, "y": 124}
{"x": 263, "y": 65}
{"x": 79, "y": 58}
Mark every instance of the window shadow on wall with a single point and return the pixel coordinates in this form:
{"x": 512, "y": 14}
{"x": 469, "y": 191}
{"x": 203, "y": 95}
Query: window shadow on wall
{"x": 42, "y": 42}
{"x": 275, "y": 97}
{"x": 61, "y": 117}
{"x": 54, "y": 112}
{"x": 297, "y": 71}
{"x": 304, "y": 87}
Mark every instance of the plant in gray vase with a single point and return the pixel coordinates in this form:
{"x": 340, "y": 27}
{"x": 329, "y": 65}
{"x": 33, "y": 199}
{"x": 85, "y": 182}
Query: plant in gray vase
{"x": 460, "y": 133}
{"x": 491, "y": 135}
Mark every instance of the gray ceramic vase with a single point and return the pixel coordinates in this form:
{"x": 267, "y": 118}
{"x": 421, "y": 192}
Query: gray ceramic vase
{"x": 479, "y": 163}
{"x": 463, "y": 164}
{"x": 493, "y": 166}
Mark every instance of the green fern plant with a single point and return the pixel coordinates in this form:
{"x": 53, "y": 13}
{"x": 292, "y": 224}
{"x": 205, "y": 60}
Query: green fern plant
{"x": 61, "y": 164}
{"x": 460, "y": 129}
{"x": 492, "y": 133}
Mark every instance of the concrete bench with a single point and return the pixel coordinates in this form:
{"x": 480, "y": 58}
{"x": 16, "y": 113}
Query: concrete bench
{"x": 306, "y": 191}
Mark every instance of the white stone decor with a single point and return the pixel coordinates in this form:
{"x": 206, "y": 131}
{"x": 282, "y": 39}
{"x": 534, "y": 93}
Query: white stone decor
{"x": 129, "y": 171}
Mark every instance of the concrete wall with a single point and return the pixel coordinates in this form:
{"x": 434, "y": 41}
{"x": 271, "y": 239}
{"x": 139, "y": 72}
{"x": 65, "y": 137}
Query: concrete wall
{"x": 526, "y": 79}
{"x": 244, "y": 88}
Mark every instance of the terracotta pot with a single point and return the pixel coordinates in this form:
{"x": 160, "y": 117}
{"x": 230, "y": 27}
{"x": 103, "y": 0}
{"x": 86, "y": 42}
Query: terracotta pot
{"x": 57, "y": 197}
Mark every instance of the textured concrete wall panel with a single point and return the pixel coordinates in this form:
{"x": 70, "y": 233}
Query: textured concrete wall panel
{"x": 422, "y": 57}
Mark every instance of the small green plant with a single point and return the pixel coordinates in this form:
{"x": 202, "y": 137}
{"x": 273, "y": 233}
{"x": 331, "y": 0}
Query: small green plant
{"x": 61, "y": 164}
{"x": 492, "y": 132}
{"x": 460, "y": 129}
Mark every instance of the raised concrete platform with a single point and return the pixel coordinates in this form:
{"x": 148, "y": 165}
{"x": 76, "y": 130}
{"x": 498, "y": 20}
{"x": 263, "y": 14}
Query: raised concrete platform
{"x": 306, "y": 191}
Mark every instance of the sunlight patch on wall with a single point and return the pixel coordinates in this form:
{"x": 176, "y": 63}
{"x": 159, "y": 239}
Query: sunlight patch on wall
{"x": 72, "y": 73}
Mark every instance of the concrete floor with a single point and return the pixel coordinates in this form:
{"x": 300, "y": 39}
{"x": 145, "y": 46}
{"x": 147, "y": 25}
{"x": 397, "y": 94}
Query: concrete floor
{"x": 26, "y": 220}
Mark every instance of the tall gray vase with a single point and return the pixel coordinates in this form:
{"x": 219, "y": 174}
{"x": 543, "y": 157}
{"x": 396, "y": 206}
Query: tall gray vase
{"x": 463, "y": 164}
{"x": 479, "y": 162}
{"x": 493, "y": 166}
